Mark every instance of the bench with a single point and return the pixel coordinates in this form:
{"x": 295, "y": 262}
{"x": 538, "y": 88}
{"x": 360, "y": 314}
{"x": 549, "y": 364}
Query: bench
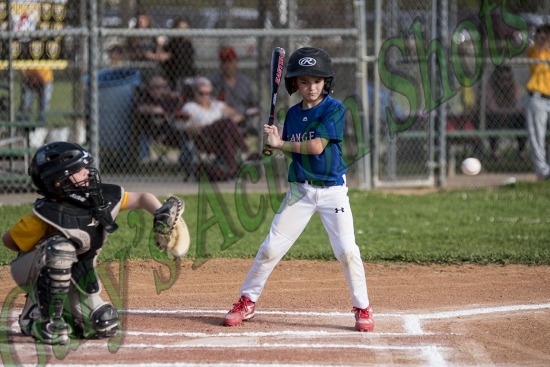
{"x": 15, "y": 152}
{"x": 455, "y": 141}
{"x": 458, "y": 140}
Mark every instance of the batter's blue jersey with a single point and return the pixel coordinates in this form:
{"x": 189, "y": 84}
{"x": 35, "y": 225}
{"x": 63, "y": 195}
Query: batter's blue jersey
{"x": 326, "y": 120}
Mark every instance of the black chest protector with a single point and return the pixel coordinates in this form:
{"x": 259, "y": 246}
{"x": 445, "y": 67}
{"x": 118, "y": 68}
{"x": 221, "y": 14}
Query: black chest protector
{"x": 77, "y": 223}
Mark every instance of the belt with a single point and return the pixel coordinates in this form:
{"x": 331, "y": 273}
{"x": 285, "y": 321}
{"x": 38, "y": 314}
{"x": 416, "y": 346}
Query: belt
{"x": 321, "y": 183}
{"x": 537, "y": 94}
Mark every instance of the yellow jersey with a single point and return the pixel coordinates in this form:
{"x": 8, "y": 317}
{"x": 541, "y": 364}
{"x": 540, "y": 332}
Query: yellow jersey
{"x": 44, "y": 75}
{"x": 540, "y": 73}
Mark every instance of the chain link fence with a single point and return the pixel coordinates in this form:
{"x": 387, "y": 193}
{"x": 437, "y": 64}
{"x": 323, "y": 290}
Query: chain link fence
{"x": 453, "y": 75}
{"x": 125, "y": 78}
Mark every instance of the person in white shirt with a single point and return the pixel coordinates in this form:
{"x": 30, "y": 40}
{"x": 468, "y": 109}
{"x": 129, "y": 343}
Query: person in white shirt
{"x": 213, "y": 127}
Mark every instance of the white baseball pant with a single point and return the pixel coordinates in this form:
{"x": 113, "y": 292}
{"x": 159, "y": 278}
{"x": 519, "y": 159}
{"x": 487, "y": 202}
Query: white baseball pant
{"x": 301, "y": 202}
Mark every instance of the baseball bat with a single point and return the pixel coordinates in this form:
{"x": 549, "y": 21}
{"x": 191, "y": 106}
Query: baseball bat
{"x": 277, "y": 61}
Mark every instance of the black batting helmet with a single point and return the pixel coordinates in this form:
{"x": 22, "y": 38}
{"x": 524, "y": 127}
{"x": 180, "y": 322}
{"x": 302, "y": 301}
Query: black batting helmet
{"x": 54, "y": 163}
{"x": 309, "y": 61}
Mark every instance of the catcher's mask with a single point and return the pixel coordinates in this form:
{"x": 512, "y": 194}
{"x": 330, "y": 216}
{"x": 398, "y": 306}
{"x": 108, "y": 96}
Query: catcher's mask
{"x": 309, "y": 61}
{"x": 51, "y": 169}
{"x": 53, "y": 165}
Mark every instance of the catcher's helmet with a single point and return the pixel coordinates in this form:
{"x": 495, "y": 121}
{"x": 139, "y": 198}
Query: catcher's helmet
{"x": 309, "y": 61}
{"x": 54, "y": 163}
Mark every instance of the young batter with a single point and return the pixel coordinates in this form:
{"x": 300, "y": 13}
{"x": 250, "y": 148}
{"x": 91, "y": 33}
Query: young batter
{"x": 312, "y": 138}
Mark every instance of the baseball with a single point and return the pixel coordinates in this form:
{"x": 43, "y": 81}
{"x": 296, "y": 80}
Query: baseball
{"x": 471, "y": 166}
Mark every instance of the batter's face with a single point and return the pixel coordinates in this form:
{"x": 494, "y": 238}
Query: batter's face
{"x": 310, "y": 88}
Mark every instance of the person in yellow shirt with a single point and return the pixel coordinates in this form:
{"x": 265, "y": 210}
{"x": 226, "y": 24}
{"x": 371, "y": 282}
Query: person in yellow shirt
{"x": 59, "y": 241}
{"x": 537, "y": 109}
{"x": 36, "y": 83}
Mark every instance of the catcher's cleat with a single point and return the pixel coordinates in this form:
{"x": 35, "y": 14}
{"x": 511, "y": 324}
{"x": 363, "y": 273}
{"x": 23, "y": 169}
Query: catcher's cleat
{"x": 243, "y": 309}
{"x": 363, "y": 319}
{"x": 51, "y": 331}
{"x": 30, "y": 313}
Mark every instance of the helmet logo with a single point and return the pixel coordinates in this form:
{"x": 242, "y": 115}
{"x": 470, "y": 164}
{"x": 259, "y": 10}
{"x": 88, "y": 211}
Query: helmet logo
{"x": 307, "y": 61}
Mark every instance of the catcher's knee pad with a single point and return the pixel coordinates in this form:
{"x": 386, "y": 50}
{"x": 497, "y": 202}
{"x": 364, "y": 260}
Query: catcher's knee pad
{"x": 60, "y": 253}
{"x": 26, "y": 266}
{"x": 104, "y": 321}
{"x": 54, "y": 277}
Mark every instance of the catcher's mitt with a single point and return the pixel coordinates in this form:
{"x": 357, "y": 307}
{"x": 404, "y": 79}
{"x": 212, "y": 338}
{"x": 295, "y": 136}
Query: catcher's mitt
{"x": 170, "y": 230}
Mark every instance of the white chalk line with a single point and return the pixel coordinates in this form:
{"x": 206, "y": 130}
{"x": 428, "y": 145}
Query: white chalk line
{"x": 188, "y": 364}
{"x": 433, "y": 354}
{"x": 256, "y": 344}
{"x": 205, "y": 312}
{"x": 432, "y": 315}
{"x": 412, "y": 322}
{"x": 275, "y": 334}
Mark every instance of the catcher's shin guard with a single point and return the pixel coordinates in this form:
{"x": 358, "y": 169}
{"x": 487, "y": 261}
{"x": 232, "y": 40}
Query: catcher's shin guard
{"x": 55, "y": 276}
{"x": 52, "y": 286}
{"x": 90, "y": 315}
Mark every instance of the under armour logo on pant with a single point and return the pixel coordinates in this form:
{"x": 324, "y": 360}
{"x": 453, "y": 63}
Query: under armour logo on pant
{"x": 338, "y": 210}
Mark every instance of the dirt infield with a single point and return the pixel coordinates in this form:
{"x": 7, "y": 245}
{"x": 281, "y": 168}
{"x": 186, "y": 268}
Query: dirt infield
{"x": 425, "y": 315}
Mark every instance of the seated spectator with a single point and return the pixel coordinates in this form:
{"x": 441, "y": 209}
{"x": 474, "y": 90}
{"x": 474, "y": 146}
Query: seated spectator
{"x": 156, "y": 111}
{"x": 213, "y": 126}
{"x": 116, "y": 56}
{"x": 463, "y": 117}
{"x": 234, "y": 88}
{"x": 504, "y": 109}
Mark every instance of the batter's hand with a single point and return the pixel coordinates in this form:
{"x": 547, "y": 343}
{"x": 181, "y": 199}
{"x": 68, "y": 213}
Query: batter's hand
{"x": 273, "y": 138}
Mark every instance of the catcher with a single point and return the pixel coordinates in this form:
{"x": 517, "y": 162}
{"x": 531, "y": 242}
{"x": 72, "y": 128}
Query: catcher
{"x": 58, "y": 244}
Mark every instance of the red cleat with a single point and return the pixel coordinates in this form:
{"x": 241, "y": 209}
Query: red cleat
{"x": 363, "y": 319}
{"x": 243, "y": 309}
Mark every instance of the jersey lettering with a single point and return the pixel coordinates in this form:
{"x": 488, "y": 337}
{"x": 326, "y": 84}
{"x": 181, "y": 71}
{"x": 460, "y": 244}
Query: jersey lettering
{"x": 302, "y": 137}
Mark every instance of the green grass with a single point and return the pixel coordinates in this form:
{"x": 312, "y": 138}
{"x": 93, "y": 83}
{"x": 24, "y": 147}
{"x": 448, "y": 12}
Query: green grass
{"x": 494, "y": 225}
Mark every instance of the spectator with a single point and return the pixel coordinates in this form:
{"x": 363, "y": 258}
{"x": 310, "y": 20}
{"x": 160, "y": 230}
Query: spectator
{"x": 156, "y": 118}
{"x": 37, "y": 83}
{"x": 463, "y": 116}
{"x": 116, "y": 56}
{"x": 234, "y": 88}
{"x": 178, "y": 58}
{"x": 386, "y": 101}
{"x": 503, "y": 107}
{"x": 213, "y": 126}
{"x": 146, "y": 48}
{"x": 537, "y": 109}
{"x": 155, "y": 105}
